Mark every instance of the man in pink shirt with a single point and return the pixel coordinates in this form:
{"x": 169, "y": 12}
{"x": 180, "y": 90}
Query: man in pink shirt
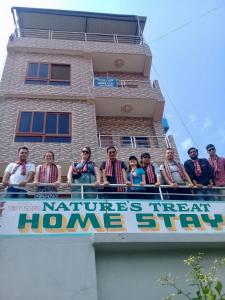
{"x": 218, "y": 165}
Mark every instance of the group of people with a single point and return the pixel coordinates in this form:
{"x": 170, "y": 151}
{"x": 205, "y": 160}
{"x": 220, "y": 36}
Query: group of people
{"x": 140, "y": 180}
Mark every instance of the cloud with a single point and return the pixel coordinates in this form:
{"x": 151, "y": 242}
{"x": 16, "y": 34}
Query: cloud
{"x": 207, "y": 124}
{"x": 191, "y": 119}
{"x": 187, "y": 143}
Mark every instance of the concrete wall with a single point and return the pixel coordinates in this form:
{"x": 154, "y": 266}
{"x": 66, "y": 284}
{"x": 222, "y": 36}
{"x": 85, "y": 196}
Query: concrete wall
{"x": 103, "y": 266}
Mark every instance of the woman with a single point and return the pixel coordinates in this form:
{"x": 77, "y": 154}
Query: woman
{"x": 48, "y": 172}
{"x": 175, "y": 175}
{"x": 135, "y": 175}
{"x": 84, "y": 172}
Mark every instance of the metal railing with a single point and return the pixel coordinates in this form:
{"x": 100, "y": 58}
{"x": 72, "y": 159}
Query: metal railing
{"x": 126, "y": 141}
{"x": 127, "y": 83}
{"x": 79, "y": 36}
{"x": 149, "y": 192}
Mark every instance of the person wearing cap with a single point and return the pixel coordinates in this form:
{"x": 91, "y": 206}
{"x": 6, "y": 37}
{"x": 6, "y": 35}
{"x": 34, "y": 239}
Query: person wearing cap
{"x": 200, "y": 172}
{"x": 218, "y": 165}
{"x": 152, "y": 176}
{"x": 113, "y": 172}
{"x": 176, "y": 177}
{"x": 135, "y": 175}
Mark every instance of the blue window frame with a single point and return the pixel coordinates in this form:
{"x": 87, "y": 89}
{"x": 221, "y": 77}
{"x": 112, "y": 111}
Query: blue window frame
{"x": 46, "y": 127}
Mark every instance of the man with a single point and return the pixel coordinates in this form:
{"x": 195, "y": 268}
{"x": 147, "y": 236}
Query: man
{"x": 200, "y": 172}
{"x": 19, "y": 174}
{"x": 152, "y": 176}
{"x": 114, "y": 172}
{"x": 218, "y": 165}
{"x": 176, "y": 177}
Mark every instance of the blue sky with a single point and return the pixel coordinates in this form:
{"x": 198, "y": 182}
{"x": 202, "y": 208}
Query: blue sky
{"x": 188, "y": 61}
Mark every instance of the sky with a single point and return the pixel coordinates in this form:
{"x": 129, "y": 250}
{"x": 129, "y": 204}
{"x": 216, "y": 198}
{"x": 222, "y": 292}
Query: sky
{"x": 187, "y": 41}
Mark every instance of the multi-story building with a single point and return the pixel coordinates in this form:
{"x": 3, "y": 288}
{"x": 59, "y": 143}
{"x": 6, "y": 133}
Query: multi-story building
{"x": 73, "y": 79}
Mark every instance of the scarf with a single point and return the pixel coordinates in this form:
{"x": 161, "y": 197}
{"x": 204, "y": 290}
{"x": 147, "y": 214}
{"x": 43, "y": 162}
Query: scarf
{"x": 150, "y": 172}
{"x": 198, "y": 170}
{"x": 23, "y": 167}
{"x": 84, "y": 167}
{"x": 52, "y": 176}
{"x": 168, "y": 171}
{"x": 214, "y": 164}
{"x": 118, "y": 172}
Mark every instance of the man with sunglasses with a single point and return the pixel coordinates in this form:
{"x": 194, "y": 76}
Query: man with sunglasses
{"x": 114, "y": 172}
{"x": 218, "y": 165}
{"x": 200, "y": 173}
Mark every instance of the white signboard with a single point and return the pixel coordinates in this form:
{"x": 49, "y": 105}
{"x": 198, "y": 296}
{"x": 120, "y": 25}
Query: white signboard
{"x": 129, "y": 216}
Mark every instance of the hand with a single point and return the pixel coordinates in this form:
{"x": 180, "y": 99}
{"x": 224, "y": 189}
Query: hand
{"x": 128, "y": 183}
{"x": 191, "y": 185}
{"x": 97, "y": 182}
{"x": 174, "y": 185}
{"x": 209, "y": 186}
{"x": 5, "y": 183}
{"x": 23, "y": 183}
{"x": 69, "y": 182}
{"x": 157, "y": 184}
{"x": 57, "y": 183}
{"x": 106, "y": 182}
{"x": 142, "y": 183}
{"x": 35, "y": 183}
{"x": 198, "y": 185}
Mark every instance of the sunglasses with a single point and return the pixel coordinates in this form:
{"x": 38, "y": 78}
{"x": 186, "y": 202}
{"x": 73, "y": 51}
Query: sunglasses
{"x": 85, "y": 151}
{"x": 146, "y": 157}
{"x": 211, "y": 149}
{"x": 112, "y": 152}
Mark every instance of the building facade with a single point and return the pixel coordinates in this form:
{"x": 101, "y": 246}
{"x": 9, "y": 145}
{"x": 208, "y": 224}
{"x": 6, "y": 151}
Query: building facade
{"x": 73, "y": 79}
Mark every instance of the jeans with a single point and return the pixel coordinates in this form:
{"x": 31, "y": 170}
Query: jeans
{"x": 12, "y": 192}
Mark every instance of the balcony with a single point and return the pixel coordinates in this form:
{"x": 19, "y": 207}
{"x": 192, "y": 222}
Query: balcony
{"x": 79, "y": 36}
{"x": 133, "y": 98}
{"x": 133, "y": 142}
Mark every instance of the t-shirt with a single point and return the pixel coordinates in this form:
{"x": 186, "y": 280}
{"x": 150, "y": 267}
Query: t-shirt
{"x": 47, "y": 173}
{"x": 17, "y": 178}
{"x": 174, "y": 172}
{"x": 137, "y": 179}
{"x": 112, "y": 179}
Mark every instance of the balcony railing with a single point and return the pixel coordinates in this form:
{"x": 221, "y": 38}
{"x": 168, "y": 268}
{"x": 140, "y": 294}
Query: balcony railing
{"x": 117, "y": 83}
{"x": 79, "y": 36}
{"x": 126, "y": 141}
{"x": 163, "y": 192}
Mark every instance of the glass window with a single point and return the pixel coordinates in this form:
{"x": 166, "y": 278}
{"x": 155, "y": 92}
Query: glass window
{"x": 38, "y": 122}
{"x": 32, "y": 70}
{"x": 60, "y": 72}
{"x": 25, "y": 121}
{"x": 142, "y": 142}
{"x": 51, "y": 123}
{"x": 106, "y": 140}
{"x": 43, "y": 71}
{"x": 126, "y": 141}
{"x": 44, "y": 127}
{"x": 28, "y": 139}
{"x": 63, "y": 123}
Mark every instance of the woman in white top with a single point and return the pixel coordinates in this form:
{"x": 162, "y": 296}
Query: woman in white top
{"x": 48, "y": 172}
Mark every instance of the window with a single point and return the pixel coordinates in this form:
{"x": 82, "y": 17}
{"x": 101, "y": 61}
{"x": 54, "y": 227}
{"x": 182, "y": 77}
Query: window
{"x": 47, "y": 127}
{"x": 106, "y": 141}
{"x": 142, "y": 141}
{"x": 126, "y": 141}
{"x": 43, "y": 73}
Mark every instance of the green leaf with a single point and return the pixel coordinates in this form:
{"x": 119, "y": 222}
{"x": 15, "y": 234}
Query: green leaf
{"x": 205, "y": 290}
{"x": 219, "y": 287}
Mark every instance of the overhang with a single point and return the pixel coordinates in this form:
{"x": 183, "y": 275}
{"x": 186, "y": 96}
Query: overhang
{"x": 78, "y": 21}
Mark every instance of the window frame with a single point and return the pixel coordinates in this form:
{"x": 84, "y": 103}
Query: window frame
{"x": 48, "y": 80}
{"x": 43, "y": 134}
